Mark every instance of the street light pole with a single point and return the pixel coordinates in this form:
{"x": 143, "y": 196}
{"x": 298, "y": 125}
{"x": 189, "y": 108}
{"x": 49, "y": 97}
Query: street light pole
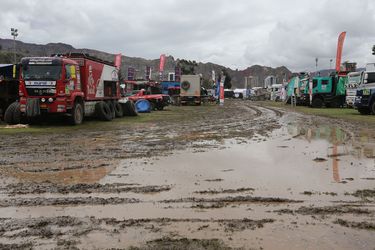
{"x": 14, "y": 33}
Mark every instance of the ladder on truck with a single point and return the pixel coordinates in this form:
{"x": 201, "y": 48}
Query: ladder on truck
{"x": 293, "y": 100}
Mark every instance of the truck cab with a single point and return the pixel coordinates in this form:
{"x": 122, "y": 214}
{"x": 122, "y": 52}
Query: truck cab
{"x": 354, "y": 81}
{"x": 328, "y": 91}
{"x": 48, "y": 85}
{"x": 365, "y": 99}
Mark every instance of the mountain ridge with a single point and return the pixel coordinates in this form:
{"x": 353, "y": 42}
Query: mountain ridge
{"x": 258, "y": 72}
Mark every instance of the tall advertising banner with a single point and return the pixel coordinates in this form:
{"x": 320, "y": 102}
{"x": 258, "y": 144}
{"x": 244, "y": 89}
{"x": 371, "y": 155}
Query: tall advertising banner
{"x": 340, "y": 45}
{"x": 222, "y": 90}
{"x": 161, "y": 66}
{"x": 118, "y": 61}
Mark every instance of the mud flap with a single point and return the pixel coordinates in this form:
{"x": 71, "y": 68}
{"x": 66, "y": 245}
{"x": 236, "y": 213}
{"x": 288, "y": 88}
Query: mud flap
{"x": 32, "y": 107}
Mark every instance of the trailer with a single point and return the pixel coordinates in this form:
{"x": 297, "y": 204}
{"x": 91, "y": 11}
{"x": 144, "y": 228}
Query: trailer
{"x": 148, "y": 90}
{"x": 190, "y": 91}
{"x": 74, "y": 85}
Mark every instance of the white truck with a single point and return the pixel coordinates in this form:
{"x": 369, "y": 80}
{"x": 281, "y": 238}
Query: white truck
{"x": 275, "y": 92}
{"x": 354, "y": 81}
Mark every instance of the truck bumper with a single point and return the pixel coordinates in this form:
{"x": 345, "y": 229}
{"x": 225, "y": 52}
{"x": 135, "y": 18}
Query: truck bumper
{"x": 36, "y": 106}
{"x": 361, "y": 102}
{"x": 190, "y": 99}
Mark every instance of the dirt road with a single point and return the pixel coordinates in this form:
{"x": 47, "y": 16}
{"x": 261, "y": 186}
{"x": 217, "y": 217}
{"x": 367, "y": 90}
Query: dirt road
{"x": 209, "y": 177}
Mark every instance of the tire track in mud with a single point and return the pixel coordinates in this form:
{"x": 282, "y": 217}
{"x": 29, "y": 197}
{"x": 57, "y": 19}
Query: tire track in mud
{"x": 71, "y": 201}
{"x": 258, "y": 112}
{"x": 276, "y": 111}
{"x": 82, "y": 188}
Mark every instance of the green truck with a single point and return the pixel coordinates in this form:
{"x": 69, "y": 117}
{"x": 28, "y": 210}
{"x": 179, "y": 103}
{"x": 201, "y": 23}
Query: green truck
{"x": 328, "y": 91}
{"x": 298, "y": 86}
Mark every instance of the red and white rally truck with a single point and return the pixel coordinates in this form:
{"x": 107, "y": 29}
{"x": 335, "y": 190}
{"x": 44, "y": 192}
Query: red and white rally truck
{"x": 75, "y": 84}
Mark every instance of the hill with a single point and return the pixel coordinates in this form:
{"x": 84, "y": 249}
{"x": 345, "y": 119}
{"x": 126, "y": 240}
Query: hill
{"x": 238, "y": 76}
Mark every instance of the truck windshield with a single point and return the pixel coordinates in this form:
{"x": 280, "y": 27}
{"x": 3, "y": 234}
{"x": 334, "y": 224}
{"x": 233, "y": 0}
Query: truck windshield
{"x": 354, "y": 79}
{"x": 370, "y": 77}
{"x": 41, "y": 72}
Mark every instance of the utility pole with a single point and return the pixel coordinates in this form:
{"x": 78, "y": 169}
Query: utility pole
{"x": 316, "y": 65}
{"x": 14, "y": 33}
{"x": 330, "y": 63}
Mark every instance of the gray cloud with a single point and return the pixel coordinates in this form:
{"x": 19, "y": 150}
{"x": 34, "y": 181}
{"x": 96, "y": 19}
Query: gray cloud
{"x": 233, "y": 33}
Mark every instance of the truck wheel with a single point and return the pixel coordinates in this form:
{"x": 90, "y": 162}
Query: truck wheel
{"x": 112, "y": 108}
{"x": 160, "y": 107}
{"x": 317, "y": 103}
{"x": 130, "y": 109}
{"x": 153, "y": 105}
{"x": 76, "y": 117}
{"x": 13, "y": 114}
{"x": 118, "y": 109}
{"x": 335, "y": 104}
{"x": 364, "y": 111}
{"x": 373, "y": 108}
{"x": 103, "y": 111}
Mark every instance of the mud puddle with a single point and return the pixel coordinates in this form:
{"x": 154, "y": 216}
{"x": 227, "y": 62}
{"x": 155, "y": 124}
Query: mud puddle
{"x": 271, "y": 180}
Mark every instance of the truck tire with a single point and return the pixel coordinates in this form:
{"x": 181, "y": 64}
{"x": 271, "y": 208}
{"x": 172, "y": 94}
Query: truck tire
{"x": 77, "y": 114}
{"x": 160, "y": 106}
{"x": 112, "y": 108}
{"x": 130, "y": 109}
{"x": 153, "y": 105}
{"x": 364, "y": 111}
{"x": 373, "y": 107}
{"x": 103, "y": 111}
{"x": 118, "y": 109}
{"x": 13, "y": 114}
{"x": 317, "y": 102}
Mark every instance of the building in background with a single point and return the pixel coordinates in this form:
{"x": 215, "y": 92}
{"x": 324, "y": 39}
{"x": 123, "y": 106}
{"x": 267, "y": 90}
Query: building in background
{"x": 251, "y": 82}
{"x": 269, "y": 81}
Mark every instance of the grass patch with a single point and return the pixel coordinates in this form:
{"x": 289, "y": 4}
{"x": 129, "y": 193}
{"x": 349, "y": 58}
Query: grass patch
{"x": 58, "y": 125}
{"x": 346, "y": 114}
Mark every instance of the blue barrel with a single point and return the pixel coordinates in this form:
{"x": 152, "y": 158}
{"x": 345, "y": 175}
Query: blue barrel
{"x": 143, "y": 106}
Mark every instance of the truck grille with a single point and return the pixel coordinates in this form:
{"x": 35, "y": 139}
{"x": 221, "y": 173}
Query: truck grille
{"x": 41, "y": 91}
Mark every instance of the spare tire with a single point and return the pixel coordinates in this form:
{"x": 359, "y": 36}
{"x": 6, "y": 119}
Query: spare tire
{"x": 143, "y": 106}
{"x": 185, "y": 85}
{"x": 118, "y": 109}
{"x": 103, "y": 111}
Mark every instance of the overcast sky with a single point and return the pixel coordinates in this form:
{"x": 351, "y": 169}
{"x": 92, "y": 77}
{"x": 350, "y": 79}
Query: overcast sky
{"x": 237, "y": 33}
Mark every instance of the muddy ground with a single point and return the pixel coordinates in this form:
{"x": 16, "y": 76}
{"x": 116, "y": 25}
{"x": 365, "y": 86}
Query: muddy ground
{"x": 242, "y": 176}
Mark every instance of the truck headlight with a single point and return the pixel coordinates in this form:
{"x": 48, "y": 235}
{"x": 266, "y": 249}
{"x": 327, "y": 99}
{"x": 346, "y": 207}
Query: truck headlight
{"x": 50, "y": 99}
{"x": 43, "y": 100}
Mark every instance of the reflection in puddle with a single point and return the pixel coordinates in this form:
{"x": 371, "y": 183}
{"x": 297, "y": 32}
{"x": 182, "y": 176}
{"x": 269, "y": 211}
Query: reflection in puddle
{"x": 341, "y": 143}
